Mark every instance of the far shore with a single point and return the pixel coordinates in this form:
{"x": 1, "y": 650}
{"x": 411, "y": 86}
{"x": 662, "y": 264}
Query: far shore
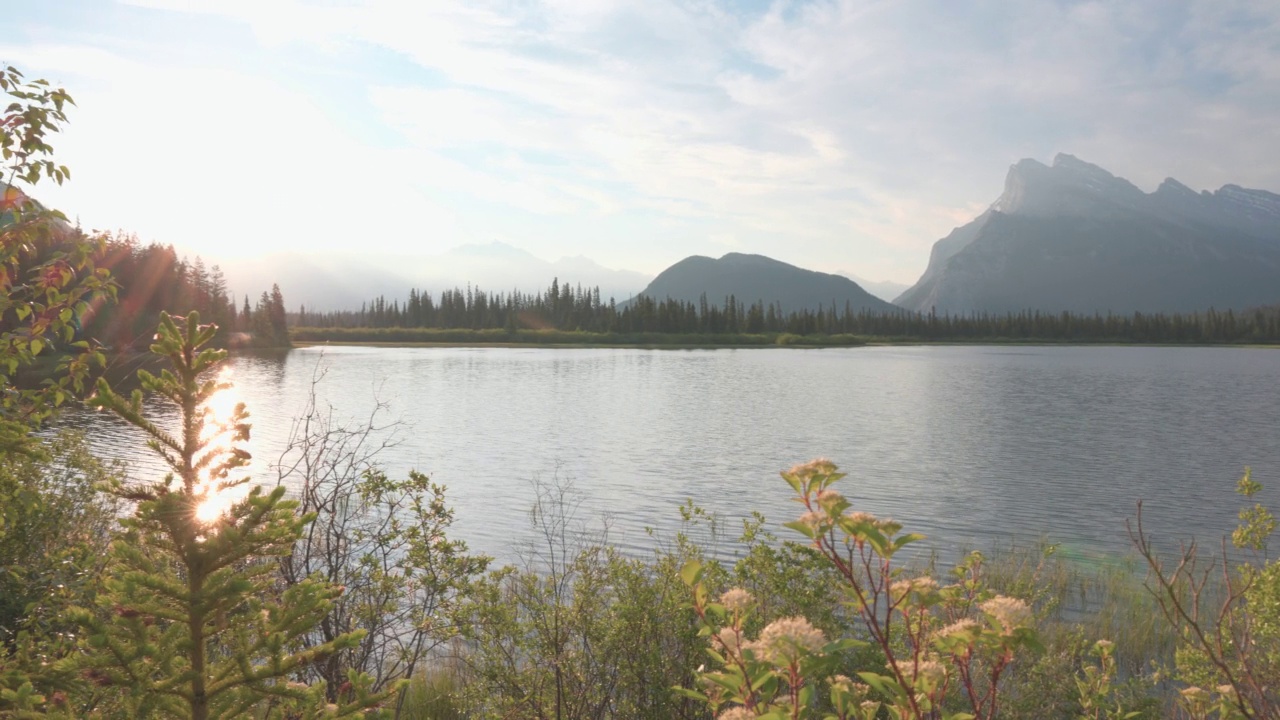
{"x": 755, "y": 342}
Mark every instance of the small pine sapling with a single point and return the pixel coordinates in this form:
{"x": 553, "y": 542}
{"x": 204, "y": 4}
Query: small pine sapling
{"x": 190, "y": 623}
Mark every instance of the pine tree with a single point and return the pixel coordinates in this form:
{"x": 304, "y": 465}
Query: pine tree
{"x": 223, "y": 308}
{"x": 276, "y": 315}
{"x": 190, "y": 624}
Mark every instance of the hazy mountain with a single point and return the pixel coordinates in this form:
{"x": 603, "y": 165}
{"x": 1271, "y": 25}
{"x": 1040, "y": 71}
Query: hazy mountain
{"x": 885, "y": 290}
{"x": 498, "y": 266}
{"x": 334, "y": 282}
{"x": 1072, "y": 236}
{"x": 751, "y": 278}
{"x": 319, "y": 282}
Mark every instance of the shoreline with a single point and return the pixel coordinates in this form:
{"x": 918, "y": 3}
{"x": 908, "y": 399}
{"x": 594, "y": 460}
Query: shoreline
{"x": 798, "y": 345}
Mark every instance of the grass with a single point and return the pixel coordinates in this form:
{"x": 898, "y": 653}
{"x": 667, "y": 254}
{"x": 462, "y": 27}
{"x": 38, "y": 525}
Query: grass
{"x": 433, "y": 695}
{"x": 1098, "y": 597}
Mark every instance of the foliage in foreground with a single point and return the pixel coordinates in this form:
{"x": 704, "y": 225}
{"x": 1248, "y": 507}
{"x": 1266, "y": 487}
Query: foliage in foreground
{"x": 189, "y": 623}
{"x": 832, "y": 627}
{"x": 1228, "y": 631}
{"x": 48, "y": 279}
{"x": 953, "y": 651}
{"x": 51, "y": 559}
{"x": 576, "y": 630}
{"x": 935, "y": 641}
{"x": 385, "y": 540}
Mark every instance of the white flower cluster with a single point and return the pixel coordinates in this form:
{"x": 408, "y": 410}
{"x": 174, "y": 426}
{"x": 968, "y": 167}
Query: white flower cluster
{"x": 821, "y": 466}
{"x": 1011, "y": 613}
{"x": 816, "y": 520}
{"x": 730, "y": 641}
{"x": 784, "y": 640}
{"x": 932, "y": 672}
{"x": 922, "y": 585}
{"x": 964, "y": 626}
{"x": 736, "y": 600}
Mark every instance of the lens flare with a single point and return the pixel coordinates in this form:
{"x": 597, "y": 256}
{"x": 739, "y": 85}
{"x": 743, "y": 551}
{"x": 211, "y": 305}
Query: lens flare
{"x": 219, "y": 434}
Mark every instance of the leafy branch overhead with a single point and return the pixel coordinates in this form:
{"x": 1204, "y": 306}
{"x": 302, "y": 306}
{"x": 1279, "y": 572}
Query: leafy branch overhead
{"x": 35, "y": 111}
{"x": 48, "y": 275}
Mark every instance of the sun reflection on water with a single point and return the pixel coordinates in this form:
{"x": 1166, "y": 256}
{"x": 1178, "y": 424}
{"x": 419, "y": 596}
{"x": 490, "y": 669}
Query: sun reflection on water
{"x": 220, "y": 494}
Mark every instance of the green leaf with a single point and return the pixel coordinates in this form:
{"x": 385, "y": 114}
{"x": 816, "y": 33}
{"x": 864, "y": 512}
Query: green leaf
{"x": 691, "y": 573}
{"x": 883, "y": 684}
{"x": 906, "y": 540}
{"x": 685, "y": 692}
{"x": 802, "y": 528}
{"x": 843, "y": 645}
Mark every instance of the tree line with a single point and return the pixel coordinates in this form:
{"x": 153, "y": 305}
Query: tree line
{"x": 567, "y": 307}
{"x": 150, "y": 278}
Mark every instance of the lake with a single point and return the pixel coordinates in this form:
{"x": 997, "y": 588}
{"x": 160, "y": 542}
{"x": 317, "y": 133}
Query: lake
{"x": 970, "y": 445}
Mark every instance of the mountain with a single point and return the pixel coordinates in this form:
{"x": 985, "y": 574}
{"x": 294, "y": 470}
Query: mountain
{"x": 318, "y": 282}
{"x": 344, "y": 281}
{"x": 752, "y": 278}
{"x": 886, "y": 290}
{"x": 1072, "y": 236}
{"x": 498, "y": 266}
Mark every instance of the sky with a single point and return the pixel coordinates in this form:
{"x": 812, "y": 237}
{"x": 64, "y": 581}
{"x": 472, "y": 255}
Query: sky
{"x": 839, "y": 135}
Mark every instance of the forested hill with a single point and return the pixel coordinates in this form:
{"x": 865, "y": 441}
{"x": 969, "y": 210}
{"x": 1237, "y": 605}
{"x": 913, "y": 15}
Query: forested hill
{"x": 1073, "y": 237}
{"x": 147, "y": 278}
{"x": 152, "y": 278}
{"x": 751, "y": 279}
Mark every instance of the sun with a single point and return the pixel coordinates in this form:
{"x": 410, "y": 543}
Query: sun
{"x": 219, "y": 411}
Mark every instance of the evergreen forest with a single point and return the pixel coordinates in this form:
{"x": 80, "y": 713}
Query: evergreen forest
{"x": 152, "y": 278}
{"x": 568, "y": 308}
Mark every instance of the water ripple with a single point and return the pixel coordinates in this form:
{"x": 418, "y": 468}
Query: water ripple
{"x": 966, "y": 444}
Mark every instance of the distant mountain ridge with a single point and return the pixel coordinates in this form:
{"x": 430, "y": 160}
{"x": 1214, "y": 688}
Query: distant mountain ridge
{"x": 756, "y": 278}
{"x": 1074, "y": 237}
{"x": 886, "y": 290}
{"x": 344, "y": 281}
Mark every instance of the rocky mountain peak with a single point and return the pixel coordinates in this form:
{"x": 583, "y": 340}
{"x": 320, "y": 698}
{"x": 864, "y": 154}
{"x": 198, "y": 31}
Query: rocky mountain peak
{"x": 1175, "y": 189}
{"x": 1259, "y": 203}
{"x": 1072, "y": 236}
{"x": 1070, "y": 186}
{"x": 1070, "y": 163}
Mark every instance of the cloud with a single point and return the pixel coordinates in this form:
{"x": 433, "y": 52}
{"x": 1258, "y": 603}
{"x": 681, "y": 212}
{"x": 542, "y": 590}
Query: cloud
{"x": 220, "y": 162}
{"x": 835, "y": 134}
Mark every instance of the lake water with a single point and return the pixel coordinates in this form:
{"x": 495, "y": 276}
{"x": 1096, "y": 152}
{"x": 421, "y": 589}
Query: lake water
{"x": 968, "y": 445}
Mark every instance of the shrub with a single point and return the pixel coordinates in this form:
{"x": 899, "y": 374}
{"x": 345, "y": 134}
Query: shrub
{"x": 188, "y": 623}
{"x": 53, "y": 549}
{"x": 578, "y": 630}
{"x": 384, "y": 540}
{"x": 936, "y": 641}
{"x": 1228, "y": 629}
